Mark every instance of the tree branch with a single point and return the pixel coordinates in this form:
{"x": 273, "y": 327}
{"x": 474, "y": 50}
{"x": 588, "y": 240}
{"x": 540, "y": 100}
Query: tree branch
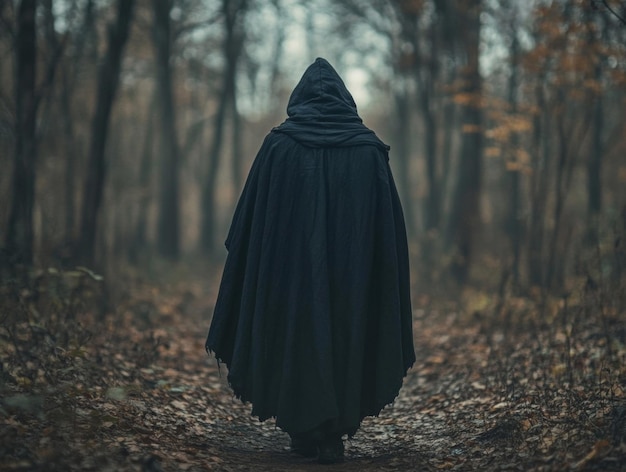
{"x": 613, "y": 12}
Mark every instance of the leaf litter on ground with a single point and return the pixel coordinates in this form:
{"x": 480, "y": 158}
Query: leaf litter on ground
{"x": 134, "y": 389}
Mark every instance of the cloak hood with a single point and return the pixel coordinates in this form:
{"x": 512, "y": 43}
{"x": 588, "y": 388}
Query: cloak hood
{"x": 322, "y": 112}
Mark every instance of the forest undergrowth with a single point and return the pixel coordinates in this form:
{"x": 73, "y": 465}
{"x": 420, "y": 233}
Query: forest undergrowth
{"x": 95, "y": 381}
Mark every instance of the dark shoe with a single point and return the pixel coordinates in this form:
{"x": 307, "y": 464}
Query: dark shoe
{"x": 330, "y": 450}
{"x": 303, "y": 446}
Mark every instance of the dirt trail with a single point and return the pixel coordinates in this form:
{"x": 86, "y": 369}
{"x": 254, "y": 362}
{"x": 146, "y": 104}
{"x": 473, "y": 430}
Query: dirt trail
{"x": 210, "y": 429}
{"x": 142, "y": 394}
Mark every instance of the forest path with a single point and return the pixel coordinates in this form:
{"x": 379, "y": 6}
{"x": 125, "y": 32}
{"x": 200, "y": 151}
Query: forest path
{"x": 195, "y": 423}
{"x": 142, "y": 394}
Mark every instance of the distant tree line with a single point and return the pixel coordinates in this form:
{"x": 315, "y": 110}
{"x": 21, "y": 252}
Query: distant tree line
{"x": 127, "y": 126}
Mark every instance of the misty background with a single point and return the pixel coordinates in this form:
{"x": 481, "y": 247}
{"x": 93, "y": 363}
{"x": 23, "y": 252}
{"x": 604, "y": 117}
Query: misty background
{"x": 127, "y": 128}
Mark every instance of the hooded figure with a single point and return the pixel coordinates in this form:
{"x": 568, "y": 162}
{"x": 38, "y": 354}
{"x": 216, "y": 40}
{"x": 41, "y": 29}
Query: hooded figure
{"x": 313, "y": 317}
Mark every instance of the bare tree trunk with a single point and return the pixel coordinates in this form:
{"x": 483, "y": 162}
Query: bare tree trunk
{"x": 70, "y": 159}
{"x": 596, "y": 156}
{"x": 513, "y": 225}
{"x": 145, "y": 169}
{"x": 465, "y": 209}
{"x": 449, "y": 127}
{"x": 108, "y": 79}
{"x": 569, "y": 140}
{"x": 236, "y": 144}
{"x": 542, "y": 147}
{"x": 448, "y": 24}
{"x": 19, "y": 239}
{"x": 560, "y": 198}
{"x": 168, "y": 225}
{"x": 68, "y": 82}
{"x": 309, "y": 31}
{"x": 594, "y": 164}
{"x": 233, "y": 42}
{"x": 432, "y": 206}
{"x": 207, "y": 228}
{"x": 117, "y": 206}
{"x": 430, "y": 247}
{"x": 402, "y": 154}
{"x": 278, "y": 47}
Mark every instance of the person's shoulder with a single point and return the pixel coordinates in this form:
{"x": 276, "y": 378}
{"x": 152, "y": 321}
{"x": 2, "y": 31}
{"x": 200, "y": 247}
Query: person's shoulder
{"x": 276, "y": 136}
{"x": 374, "y": 149}
{"x": 272, "y": 141}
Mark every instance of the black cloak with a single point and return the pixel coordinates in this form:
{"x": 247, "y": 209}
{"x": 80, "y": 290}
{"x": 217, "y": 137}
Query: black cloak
{"x": 313, "y": 317}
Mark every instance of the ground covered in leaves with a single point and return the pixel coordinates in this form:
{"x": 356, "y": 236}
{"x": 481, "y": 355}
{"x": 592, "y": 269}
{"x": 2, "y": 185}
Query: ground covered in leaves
{"x": 498, "y": 385}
